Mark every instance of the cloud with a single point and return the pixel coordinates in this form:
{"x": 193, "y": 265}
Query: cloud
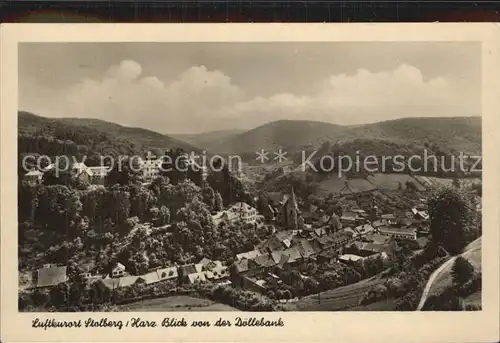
{"x": 200, "y": 99}
{"x": 365, "y": 97}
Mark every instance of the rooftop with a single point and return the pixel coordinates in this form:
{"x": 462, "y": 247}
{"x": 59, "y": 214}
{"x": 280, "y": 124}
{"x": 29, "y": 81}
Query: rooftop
{"x": 51, "y": 276}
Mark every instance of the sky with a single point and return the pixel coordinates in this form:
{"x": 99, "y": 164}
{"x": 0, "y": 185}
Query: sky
{"x": 199, "y": 87}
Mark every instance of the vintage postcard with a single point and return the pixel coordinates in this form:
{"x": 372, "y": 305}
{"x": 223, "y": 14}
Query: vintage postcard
{"x": 247, "y": 182}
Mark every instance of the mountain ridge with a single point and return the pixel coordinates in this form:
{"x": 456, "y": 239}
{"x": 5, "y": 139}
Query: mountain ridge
{"x": 453, "y": 133}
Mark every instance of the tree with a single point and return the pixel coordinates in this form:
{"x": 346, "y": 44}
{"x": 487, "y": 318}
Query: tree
{"x": 59, "y": 295}
{"x": 453, "y": 219}
{"x": 208, "y": 196}
{"x": 410, "y": 186}
{"x": 462, "y": 271}
{"x": 218, "y": 202}
{"x": 456, "y": 183}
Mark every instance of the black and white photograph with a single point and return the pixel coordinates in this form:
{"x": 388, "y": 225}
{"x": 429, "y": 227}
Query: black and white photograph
{"x": 249, "y": 176}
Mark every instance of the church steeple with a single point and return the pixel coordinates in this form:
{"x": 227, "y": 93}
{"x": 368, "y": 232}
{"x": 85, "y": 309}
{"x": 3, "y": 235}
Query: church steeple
{"x": 294, "y": 200}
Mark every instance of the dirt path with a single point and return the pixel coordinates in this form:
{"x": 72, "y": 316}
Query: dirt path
{"x": 472, "y": 248}
{"x": 433, "y": 277}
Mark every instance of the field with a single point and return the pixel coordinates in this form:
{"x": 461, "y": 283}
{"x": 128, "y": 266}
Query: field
{"x": 336, "y": 184}
{"x": 175, "y": 303}
{"x": 392, "y": 181}
{"x": 386, "y": 182}
{"x": 339, "y": 299}
{"x": 472, "y": 253}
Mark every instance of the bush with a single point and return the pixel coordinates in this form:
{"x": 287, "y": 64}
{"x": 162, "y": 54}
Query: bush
{"x": 470, "y": 286}
{"x": 448, "y": 300}
{"x": 472, "y": 307}
{"x": 462, "y": 271}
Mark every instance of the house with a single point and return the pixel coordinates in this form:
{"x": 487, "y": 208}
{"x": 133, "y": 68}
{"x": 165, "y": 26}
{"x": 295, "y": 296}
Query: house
{"x": 399, "y": 232}
{"x": 33, "y": 177}
{"x": 378, "y": 223}
{"x": 369, "y": 249}
{"x": 150, "y": 167}
{"x": 118, "y": 270}
{"x": 253, "y": 284}
{"x": 193, "y": 272}
{"x": 111, "y": 283}
{"x": 366, "y": 249}
{"x": 149, "y": 278}
{"x": 291, "y": 255}
{"x": 86, "y": 273}
{"x": 312, "y": 214}
{"x": 192, "y": 268}
{"x": 350, "y": 218}
{"x": 328, "y": 255}
{"x": 81, "y": 172}
{"x": 196, "y": 277}
{"x": 98, "y": 174}
{"x": 25, "y": 280}
{"x": 280, "y": 241}
{"x": 248, "y": 255}
{"x": 363, "y": 230}
{"x": 205, "y": 261}
{"x": 377, "y": 238}
{"x": 336, "y": 240}
{"x": 390, "y": 218}
{"x": 320, "y": 232}
{"x": 129, "y": 280}
{"x": 241, "y": 212}
{"x": 262, "y": 261}
{"x": 241, "y": 266}
{"x": 305, "y": 248}
{"x": 424, "y": 215}
{"x": 348, "y": 258}
{"x": 359, "y": 212}
{"x": 350, "y": 231}
{"x": 169, "y": 273}
{"x": 51, "y": 275}
{"x": 216, "y": 271}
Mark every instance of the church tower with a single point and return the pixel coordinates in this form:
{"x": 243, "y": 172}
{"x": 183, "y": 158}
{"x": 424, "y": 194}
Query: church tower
{"x": 291, "y": 210}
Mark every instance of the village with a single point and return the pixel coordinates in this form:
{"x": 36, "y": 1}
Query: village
{"x": 299, "y": 238}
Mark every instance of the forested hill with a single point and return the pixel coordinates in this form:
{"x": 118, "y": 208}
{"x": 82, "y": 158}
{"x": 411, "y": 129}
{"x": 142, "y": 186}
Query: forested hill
{"x": 455, "y": 133}
{"x": 88, "y": 137}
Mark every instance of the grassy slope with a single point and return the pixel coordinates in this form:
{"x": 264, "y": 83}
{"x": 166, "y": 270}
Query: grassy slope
{"x": 338, "y": 299}
{"x": 175, "y": 303}
{"x": 472, "y": 253}
{"x": 384, "y": 182}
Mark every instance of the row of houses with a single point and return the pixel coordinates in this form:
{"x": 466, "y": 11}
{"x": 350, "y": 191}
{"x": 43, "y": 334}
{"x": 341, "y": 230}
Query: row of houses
{"x": 289, "y": 247}
{"x": 150, "y": 169}
{"x": 206, "y": 270}
{"x": 93, "y": 175}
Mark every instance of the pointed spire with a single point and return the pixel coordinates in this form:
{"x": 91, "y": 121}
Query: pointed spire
{"x": 293, "y": 199}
